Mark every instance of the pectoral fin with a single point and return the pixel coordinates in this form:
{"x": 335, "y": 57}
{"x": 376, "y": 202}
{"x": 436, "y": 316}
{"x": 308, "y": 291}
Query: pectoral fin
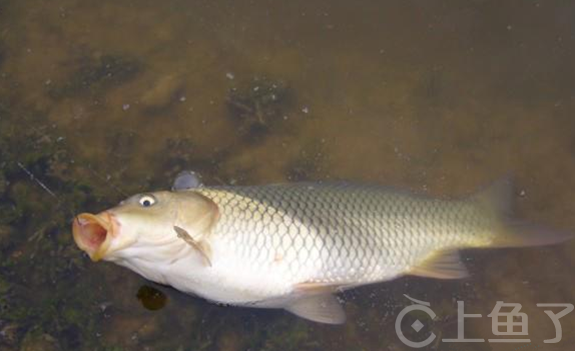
{"x": 201, "y": 246}
{"x": 444, "y": 264}
{"x": 319, "y": 308}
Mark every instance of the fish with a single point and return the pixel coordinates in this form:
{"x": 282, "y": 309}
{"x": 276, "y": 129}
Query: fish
{"x": 294, "y": 246}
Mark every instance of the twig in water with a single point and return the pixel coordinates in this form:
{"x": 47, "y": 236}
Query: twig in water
{"x": 38, "y": 181}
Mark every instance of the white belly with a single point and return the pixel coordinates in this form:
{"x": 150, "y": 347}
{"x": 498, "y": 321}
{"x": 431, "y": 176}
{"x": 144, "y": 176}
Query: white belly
{"x": 231, "y": 279}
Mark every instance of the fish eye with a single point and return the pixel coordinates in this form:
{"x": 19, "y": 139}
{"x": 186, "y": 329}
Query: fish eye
{"x": 147, "y": 200}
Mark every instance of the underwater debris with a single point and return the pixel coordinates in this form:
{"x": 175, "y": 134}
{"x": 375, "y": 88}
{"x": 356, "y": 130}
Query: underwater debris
{"x": 38, "y": 181}
{"x": 259, "y": 106}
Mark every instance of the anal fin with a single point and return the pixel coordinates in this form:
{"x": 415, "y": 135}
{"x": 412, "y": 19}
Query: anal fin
{"x": 443, "y": 264}
{"x": 323, "y": 308}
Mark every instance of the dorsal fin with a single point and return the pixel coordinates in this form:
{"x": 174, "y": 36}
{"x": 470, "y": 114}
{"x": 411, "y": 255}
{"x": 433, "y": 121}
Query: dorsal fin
{"x": 186, "y": 180}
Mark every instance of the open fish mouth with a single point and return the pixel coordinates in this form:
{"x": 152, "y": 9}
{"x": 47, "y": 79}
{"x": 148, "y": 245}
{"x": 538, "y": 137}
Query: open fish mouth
{"x": 93, "y": 233}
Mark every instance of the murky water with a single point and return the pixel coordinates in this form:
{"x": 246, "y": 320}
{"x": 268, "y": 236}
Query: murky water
{"x": 102, "y": 99}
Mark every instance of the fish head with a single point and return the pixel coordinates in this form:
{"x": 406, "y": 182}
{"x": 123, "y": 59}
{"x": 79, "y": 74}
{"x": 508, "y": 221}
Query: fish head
{"x": 142, "y": 226}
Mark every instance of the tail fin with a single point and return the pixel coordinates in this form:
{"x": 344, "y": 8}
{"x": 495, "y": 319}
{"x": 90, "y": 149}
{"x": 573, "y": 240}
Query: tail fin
{"x": 522, "y": 234}
{"x": 496, "y": 200}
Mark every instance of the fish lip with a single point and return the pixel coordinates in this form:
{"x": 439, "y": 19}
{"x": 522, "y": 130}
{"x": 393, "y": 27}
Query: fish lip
{"x": 93, "y": 233}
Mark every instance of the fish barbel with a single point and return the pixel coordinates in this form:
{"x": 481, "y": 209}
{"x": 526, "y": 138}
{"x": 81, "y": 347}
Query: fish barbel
{"x": 293, "y": 246}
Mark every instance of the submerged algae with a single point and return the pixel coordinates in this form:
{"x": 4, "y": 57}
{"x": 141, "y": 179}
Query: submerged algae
{"x": 37, "y": 296}
{"x": 260, "y": 106}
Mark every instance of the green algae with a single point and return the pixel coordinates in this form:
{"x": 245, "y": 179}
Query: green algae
{"x": 38, "y": 258}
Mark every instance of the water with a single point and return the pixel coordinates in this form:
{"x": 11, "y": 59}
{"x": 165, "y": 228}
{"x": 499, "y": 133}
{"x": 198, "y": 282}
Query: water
{"x": 99, "y": 100}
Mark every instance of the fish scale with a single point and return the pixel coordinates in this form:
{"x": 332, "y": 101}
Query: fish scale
{"x": 344, "y": 234}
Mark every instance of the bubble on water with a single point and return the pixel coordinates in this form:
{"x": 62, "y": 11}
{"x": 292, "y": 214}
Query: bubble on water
{"x": 125, "y": 107}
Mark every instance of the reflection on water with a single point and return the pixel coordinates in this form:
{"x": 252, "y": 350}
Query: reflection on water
{"x": 103, "y": 99}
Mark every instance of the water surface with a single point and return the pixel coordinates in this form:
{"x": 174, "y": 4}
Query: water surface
{"x": 103, "y": 99}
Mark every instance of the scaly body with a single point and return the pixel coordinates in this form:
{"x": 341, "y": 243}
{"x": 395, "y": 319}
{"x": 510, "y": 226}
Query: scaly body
{"x": 291, "y": 246}
{"x": 269, "y": 239}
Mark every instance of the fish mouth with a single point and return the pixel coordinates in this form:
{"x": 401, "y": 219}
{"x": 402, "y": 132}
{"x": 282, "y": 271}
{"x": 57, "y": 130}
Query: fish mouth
{"x": 93, "y": 233}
